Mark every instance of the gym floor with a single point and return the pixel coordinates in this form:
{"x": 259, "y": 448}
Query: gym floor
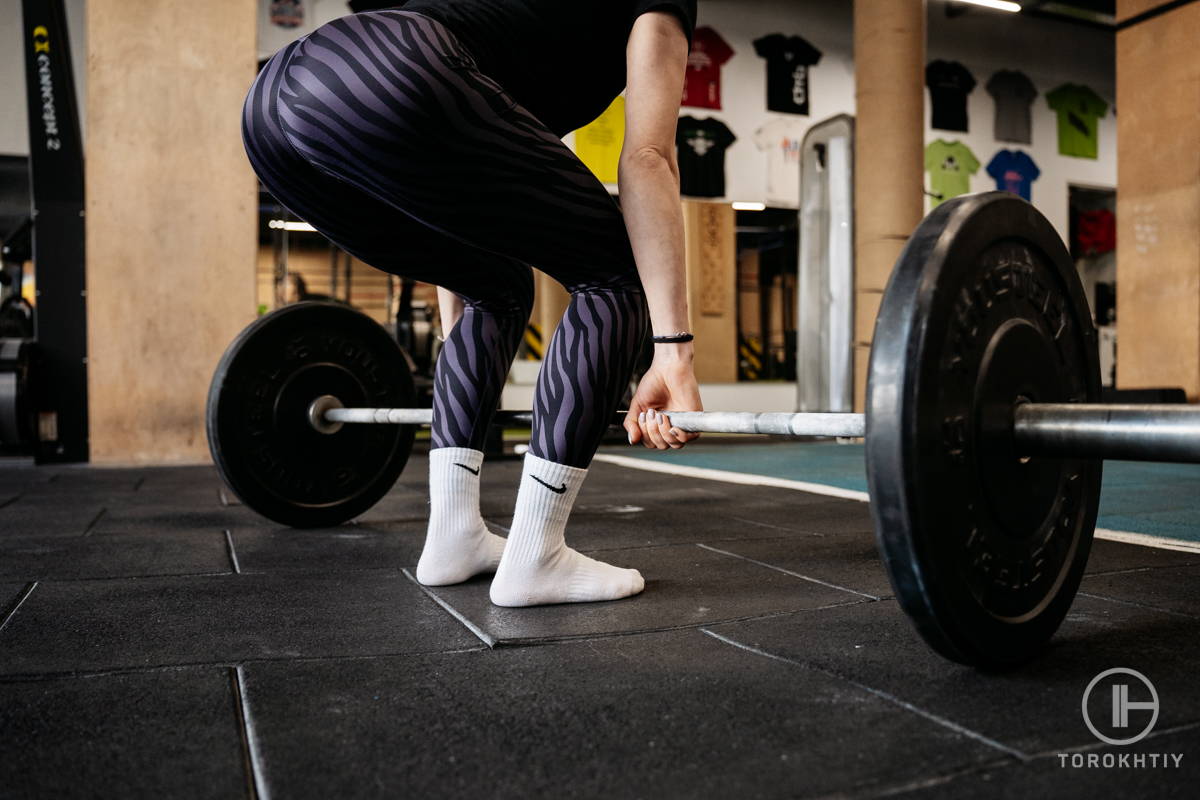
{"x": 158, "y": 639}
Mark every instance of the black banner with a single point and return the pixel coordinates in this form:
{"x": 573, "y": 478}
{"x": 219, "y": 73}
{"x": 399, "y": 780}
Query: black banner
{"x": 56, "y": 166}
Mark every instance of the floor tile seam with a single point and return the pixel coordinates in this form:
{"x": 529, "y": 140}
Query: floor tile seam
{"x": 251, "y": 756}
{"x": 38, "y": 677}
{"x": 231, "y": 552}
{"x": 1134, "y": 604}
{"x": 539, "y": 641}
{"x": 11, "y": 500}
{"x": 16, "y": 605}
{"x": 881, "y": 694}
{"x": 818, "y": 581}
{"x": 891, "y": 790}
{"x": 1098, "y": 745}
{"x": 49, "y": 578}
{"x": 95, "y": 520}
{"x": 1131, "y": 570}
{"x": 461, "y": 618}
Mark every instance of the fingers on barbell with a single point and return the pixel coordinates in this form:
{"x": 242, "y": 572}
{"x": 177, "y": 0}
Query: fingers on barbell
{"x": 670, "y": 434}
{"x": 650, "y": 422}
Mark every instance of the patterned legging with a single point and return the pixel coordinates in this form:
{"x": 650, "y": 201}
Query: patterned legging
{"x": 379, "y": 130}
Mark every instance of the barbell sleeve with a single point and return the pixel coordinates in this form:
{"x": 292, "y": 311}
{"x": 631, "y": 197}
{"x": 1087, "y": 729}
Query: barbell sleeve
{"x": 1169, "y": 433}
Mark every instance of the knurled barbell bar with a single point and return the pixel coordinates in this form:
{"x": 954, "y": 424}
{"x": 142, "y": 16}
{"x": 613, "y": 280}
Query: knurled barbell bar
{"x": 983, "y": 431}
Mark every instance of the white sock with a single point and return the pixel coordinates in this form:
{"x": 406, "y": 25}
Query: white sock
{"x": 458, "y": 544}
{"x": 538, "y": 568}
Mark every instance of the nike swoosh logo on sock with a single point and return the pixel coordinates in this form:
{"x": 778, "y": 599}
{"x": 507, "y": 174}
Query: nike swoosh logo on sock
{"x": 468, "y": 469}
{"x": 559, "y": 490}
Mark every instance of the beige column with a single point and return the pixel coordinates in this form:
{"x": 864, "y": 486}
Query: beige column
{"x": 1158, "y": 198}
{"x": 889, "y": 75}
{"x": 171, "y": 218}
{"x": 710, "y": 250}
{"x": 550, "y": 301}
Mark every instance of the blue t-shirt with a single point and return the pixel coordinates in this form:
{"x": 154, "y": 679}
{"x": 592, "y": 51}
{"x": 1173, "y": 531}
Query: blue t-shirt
{"x": 1013, "y": 171}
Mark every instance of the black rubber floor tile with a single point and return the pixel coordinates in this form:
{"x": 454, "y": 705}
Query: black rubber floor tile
{"x": 112, "y": 624}
{"x": 348, "y": 547}
{"x": 1109, "y": 556}
{"x": 132, "y": 555}
{"x": 1031, "y": 710}
{"x": 168, "y": 733}
{"x": 685, "y": 586}
{"x": 29, "y": 558}
{"x": 800, "y": 513}
{"x": 1176, "y": 590}
{"x": 850, "y": 561}
{"x": 1146, "y": 769}
{"x": 131, "y": 518}
{"x": 401, "y": 504}
{"x": 10, "y": 593}
{"x": 666, "y": 715}
{"x": 63, "y": 516}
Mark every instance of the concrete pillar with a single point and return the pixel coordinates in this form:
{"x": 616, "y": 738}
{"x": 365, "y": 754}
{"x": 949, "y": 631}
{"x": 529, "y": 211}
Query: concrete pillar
{"x": 171, "y": 218}
{"x": 889, "y": 75}
{"x": 1158, "y": 197}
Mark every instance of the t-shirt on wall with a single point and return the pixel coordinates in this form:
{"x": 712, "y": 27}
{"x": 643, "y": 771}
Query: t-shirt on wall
{"x": 1014, "y": 172}
{"x": 702, "y": 86}
{"x": 701, "y": 144}
{"x": 1013, "y": 93}
{"x": 1079, "y": 112}
{"x": 780, "y": 139}
{"x": 598, "y": 144}
{"x": 788, "y": 59}
{"x": 950, "y": 166}
{"x": 949, "y": 84}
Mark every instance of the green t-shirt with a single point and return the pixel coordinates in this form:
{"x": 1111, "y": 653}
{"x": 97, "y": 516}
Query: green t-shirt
{"x": 950, "y": 166}
{"x": 1079, "y": 111}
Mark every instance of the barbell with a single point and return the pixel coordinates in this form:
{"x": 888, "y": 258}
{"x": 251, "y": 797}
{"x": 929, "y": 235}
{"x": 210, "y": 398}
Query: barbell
{"x": 983, "y": 429}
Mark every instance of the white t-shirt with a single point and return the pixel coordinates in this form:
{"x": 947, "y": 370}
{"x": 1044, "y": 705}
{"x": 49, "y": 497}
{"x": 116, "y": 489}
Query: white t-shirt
{"x": 781, "y": 139}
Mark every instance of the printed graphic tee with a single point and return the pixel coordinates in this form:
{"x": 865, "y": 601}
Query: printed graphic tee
{"x": 702, "y": 87}
{"x": 701, "y": 144}
{"x": 780, "y": 140}
{"x": 1079, "y": 112}
{"x": 950, "y": 166}
{"x": 1013, "y": 93}
{"x": 598, "y": 144}
{"x": 949, "y": 84}
{"x": 788, "y": 59}
{"x": 1096, "y": 231}
{"x": 1014, "y": 172}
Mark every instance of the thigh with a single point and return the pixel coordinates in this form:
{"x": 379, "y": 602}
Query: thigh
{"x": 392, "y": 103}
{"x": 376, "y": 232}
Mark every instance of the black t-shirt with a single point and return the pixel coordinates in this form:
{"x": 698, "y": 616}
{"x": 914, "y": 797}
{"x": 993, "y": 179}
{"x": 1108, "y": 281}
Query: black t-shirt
{"x": 949, "y": 84}
{"x": 788, "y": 59}
{"x": 563, "y": 60}
{"x": 701, "y": 144}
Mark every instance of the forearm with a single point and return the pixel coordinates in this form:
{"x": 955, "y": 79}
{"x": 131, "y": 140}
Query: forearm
{"x": 649, "y": 184}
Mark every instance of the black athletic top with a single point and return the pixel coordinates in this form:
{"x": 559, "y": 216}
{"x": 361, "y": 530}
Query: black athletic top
{"x": 563, "y": 60}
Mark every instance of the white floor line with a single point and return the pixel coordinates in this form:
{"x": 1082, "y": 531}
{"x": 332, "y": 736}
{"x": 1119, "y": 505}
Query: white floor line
{"x": 727, "y": 476}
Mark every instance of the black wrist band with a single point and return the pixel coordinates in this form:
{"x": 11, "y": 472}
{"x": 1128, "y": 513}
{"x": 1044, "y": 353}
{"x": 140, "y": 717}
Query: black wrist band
{"x": 674, "y": 338}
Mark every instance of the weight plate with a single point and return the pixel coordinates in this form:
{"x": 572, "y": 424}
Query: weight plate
{"x": 259, "y": 432}
{"x": 984, "y": 549}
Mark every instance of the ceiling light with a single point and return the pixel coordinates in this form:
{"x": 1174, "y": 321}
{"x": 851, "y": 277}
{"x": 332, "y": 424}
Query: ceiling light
{"x": 749, "y": 206}
{"x": 999, "y": 5}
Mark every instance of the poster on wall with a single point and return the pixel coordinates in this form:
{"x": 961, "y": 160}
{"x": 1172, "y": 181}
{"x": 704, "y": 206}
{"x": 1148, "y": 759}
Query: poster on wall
{"x": 950, "y": 166}
{"x": 788, "y": 59}
{"x": 949, "y": 84}
{"x": 701, "y": 144}
{"x": 1079, "y": 112}
{"x": 702, "y": 86}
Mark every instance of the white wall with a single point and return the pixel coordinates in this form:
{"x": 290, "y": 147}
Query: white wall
{"x": 1048, "y": 51}
{"x": 14, "y": 121}
{"x": 316, "y": 13}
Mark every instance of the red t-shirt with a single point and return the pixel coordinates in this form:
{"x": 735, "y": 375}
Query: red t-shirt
{"x": 1097, "y": 231}
{"x": 708, "y": 54}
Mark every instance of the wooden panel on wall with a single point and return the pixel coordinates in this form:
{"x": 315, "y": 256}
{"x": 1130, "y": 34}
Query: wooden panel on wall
{"x": 710, "y": 250}
{"x": 1158, "y": 203}
{"x": 171, "y": 228}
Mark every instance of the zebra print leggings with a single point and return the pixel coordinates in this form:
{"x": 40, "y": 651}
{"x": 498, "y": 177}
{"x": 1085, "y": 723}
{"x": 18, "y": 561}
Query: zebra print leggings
{"x": 379, "y": 130}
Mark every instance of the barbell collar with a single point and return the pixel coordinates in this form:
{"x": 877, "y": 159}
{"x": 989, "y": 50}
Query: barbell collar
{"x": 1168, "y": 433}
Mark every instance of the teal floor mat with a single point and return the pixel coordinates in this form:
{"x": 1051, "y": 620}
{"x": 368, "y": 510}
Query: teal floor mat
{"x": 1152, "y": 499}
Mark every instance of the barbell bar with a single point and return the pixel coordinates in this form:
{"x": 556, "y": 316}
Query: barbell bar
{"x": 1163, "y": 433}
{"x": 984, "y": 432}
